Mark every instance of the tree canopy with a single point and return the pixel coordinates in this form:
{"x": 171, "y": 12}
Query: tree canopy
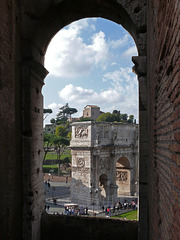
{"x": 61, "y": 131}
{"x": 52, "y": 120}
{"x": 116, "y": 116}
{"x": 69, "y": 111}
{"x": 60, "y": 144}
{"x": 60, "y": 141}
{"x": 47, "y": 144}
{"x": 47, "y": 111}
{"x": 64, "y": 113}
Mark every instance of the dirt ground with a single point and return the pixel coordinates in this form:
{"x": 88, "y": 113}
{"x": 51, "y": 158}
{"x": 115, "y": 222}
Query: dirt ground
{"x": 54, "y": 178}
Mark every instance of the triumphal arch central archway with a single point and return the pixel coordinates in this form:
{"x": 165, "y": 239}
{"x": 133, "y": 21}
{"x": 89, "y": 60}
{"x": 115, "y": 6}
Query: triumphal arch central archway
{"x": 104, "y": 162}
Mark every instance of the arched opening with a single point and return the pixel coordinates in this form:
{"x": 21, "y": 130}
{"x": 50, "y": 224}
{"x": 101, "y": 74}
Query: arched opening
{"x": 57, "y": 16}
{"x": 123, "y": 177}
{"x": 75, "y": 61}
{"x": 103, "y": 179}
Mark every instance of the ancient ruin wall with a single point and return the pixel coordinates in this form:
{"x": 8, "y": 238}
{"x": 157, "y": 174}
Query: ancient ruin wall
{"x": 164, "y": 118}
{"x": 10, "y": 122}
{"x": 74, "y": 227}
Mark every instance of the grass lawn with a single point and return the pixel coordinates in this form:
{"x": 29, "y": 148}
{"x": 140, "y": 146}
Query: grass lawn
{"x": 47, "y": 168}
{"x": 130, "y": 215}
{"x": 53, "y": 156}
{"x": 51, "y": 166}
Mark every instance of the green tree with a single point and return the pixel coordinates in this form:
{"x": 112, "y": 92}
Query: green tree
{"x": 116, "y": 112}
{"x": 105, "y": 117}
{"x": 61, "y": 131}
{"x": 61, "y": 115}
{"x": 82, "y": 119}
{"x": 46, "y": 111}
{"x": 131, "y": 119}
{"x": 64, "y": 113}
{"x": 115, "y": 117}
{"x": 69, "y": 135}
{"x": 60, "y": 144}
{"x": 69, "y": 111}
{"x": 47, "y": 144}
{"x": 124, "y": 117}
{"x": 53, "y": 121}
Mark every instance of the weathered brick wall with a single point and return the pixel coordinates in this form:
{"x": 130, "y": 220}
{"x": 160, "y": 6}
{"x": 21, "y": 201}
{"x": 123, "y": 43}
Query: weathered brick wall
{"x": 10, "y": 121}
{"x": 74, "y": 227}
{"x": 164, "y": 118}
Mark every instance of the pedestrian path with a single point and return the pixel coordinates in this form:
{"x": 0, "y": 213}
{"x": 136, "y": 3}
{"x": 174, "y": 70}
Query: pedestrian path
{"x": 58, "y": 193}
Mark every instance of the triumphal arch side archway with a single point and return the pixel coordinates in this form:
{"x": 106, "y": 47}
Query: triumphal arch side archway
{"x": 40, "y": 21}
{"x": 104, "y": 162}
{"x": 123, "y": 176}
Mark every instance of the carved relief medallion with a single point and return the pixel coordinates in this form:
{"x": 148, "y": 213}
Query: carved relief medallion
{"x": 80, "y": 162}
{"x": 81, "y": 132}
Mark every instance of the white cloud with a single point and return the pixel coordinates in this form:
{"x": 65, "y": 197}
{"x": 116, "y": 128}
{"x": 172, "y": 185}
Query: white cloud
{"x": 76, "y": 94}
{"x": 99, "y": 48}
{"x": 55, "y": 108}
{"x": 69, "y": 56}
{"x": 120, "y": 42}
{"x": 117, "y": 77}
{"x": 132, "y": 51}
{"x": 121, "y": 95}
{"x": 53, "y": 105}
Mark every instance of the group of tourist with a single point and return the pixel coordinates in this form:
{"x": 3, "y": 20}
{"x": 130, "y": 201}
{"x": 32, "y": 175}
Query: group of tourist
{"x": 120, "y": 206}
{"x": 75, "y": 211}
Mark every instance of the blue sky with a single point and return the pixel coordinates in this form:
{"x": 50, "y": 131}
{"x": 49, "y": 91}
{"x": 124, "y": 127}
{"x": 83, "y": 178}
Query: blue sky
{"x": 89, "y": 62}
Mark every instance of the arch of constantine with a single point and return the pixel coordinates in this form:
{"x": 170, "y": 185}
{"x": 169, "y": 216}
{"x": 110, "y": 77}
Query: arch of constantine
{"x": 104, "y": 162}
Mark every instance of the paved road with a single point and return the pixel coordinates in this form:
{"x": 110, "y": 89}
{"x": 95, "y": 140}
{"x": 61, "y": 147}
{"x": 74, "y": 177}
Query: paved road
{"x": 56, "y": 190}
{"x": 61, "y": 192}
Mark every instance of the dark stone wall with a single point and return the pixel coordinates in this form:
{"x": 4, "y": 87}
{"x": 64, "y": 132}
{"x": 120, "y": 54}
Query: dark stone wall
{"x": 10, "y": 121}
{"x": 164, "y": 118}
{"x": 74, "y": 227}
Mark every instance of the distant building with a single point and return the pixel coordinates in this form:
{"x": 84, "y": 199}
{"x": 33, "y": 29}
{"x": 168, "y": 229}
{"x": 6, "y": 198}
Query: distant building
{"x": 91, "y": 111}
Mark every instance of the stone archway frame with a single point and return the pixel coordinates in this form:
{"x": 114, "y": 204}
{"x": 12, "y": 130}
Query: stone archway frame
{"x": 41, "y": 20}
{"x": 127, "y": 161}
{"x": 123, "y": 176}
{"x": 104, "y": 184}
